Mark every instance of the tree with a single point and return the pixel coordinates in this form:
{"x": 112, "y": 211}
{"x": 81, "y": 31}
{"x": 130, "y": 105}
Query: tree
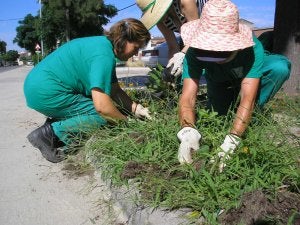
{"x": 287, "y": 39}
{"x": 87, "y": 11}
{"x": 27, "y": 36}
{"x": 2, "y": 47}
{"x": 65, "y": 19}
{"x": 9, "y": 57}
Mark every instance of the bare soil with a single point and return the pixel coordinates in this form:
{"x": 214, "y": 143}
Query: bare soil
{"x": 256, "y": 208}
{"x": 74, "y": 168}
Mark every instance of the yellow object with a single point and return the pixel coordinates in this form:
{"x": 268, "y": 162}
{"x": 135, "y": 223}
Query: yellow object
{"x": 246, "y": 150}
{"x": 194, "y": 214}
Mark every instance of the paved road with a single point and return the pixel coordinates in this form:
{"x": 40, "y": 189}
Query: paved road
{"x": 7, "y": 68}
{"x": 34, "y": 191}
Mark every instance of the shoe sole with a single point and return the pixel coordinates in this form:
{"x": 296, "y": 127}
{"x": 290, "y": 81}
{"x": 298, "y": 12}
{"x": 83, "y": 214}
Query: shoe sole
{"x": 43, "y": 148}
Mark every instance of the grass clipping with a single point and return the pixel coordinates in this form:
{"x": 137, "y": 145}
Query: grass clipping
{"x": 267, "y": 161}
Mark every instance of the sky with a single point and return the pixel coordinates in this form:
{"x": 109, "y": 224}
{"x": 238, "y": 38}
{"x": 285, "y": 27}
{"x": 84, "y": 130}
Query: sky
{"x": 259, "y": 12}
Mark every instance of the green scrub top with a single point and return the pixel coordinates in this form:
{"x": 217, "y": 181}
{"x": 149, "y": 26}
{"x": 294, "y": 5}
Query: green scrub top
{"x": 73, "y": 69}
{"x": 247, "y": 63}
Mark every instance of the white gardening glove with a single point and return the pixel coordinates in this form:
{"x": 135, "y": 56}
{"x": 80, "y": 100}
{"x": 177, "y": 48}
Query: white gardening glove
{"x": 189, "y": 138}
{"x": 142, "y": 112}
{"x": 230, "y": 143}
{"x": 176, "y": 61}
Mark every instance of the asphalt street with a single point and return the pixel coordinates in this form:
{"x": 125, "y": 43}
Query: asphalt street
{"x": 34, "y": 191}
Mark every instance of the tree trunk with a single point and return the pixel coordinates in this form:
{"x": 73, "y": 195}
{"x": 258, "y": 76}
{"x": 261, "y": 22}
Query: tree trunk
{"x": 68, "y": 28}
{"x": 287, "y": 39}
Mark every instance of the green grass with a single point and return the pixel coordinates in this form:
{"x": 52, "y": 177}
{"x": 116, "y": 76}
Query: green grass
{"x": 146, "y": 152}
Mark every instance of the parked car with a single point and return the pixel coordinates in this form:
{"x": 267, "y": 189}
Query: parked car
{"x": 29, "y": 63}
{"x": 158, "y": 54}
{"x": 152, "y": 56}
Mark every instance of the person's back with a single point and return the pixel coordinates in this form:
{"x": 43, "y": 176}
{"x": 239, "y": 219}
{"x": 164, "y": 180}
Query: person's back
{"x": 72, "y": 62}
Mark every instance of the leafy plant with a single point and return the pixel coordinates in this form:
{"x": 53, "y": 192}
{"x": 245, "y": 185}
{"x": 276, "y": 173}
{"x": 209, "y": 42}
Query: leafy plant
{"x": 161, "y": 81}
{"x": 146, "y": 152}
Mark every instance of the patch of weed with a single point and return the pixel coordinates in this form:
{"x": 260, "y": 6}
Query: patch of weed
{"x": 146, "y": 152}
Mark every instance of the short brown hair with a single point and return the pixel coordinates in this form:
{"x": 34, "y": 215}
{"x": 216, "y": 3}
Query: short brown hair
{"x": 129, "y": 29}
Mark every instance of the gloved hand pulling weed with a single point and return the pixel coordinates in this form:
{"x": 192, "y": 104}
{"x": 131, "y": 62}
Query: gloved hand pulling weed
{"x": 176, "y": 61}
{"x": 230, "y": 143}
{"x": 189, "y": 138}
{"x": 142, "y": 112}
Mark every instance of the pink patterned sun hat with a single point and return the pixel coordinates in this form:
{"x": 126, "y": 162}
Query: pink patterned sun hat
{"x": 218, "y": 29}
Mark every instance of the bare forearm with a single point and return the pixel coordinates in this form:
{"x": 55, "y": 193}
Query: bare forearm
{"x": 185, "y": 48}
{"x": 105, "y": 107}
{"x": 186, "y": 114}
{"x": 242, "y": 119}
{"x": 111, "y": 113}
{"x": 243, "y": 116}
{"x": 187, "y": 103}
{"x": 189, "y": 9}
{"x": 170, "y": 37}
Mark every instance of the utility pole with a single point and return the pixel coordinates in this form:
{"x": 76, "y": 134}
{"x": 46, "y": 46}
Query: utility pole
{"x": 42, "y": 44}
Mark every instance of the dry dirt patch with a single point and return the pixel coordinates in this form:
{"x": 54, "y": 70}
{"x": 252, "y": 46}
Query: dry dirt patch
{"x": 257, "y": 209}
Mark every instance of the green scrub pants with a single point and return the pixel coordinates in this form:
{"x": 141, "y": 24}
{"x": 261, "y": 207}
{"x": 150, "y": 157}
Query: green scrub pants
{"x": 74, "y": 113}
{"x": 223, "y": 96}
{"x": 76, "y": 121}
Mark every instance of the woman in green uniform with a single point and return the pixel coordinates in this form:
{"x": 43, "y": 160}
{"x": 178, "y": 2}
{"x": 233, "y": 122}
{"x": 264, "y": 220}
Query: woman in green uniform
{"x": 76, "y": 86}
{"x": 235, "y": 64}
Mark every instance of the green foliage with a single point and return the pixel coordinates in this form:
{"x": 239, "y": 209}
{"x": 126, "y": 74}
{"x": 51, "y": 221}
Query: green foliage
{"x": 284, "y": 102}
{"x": 2, "y": 47}
{"x": 164, "y": 91}
{"x": 9, "y": 57}
{"x": 63, "y": 20}
{"x": 156, "y": 83}
{"x": 159, "y": 84}
{"x": 146, "y": 152}
{"x": 36, "y": 58}
{"x": 27, "y": 35}
{"x": 166, "y": 88}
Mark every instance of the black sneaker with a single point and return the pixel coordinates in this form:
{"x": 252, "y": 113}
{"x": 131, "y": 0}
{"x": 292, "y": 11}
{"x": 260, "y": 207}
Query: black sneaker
{"x": 47, "y": 142}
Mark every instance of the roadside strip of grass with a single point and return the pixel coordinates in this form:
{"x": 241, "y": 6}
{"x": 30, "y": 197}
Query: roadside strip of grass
{"x": 144, "y": 153}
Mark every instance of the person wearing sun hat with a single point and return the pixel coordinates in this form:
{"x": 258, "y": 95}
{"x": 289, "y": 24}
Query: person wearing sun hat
{"x": 236, "y": 65}
{"x": 169, "y": 16}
